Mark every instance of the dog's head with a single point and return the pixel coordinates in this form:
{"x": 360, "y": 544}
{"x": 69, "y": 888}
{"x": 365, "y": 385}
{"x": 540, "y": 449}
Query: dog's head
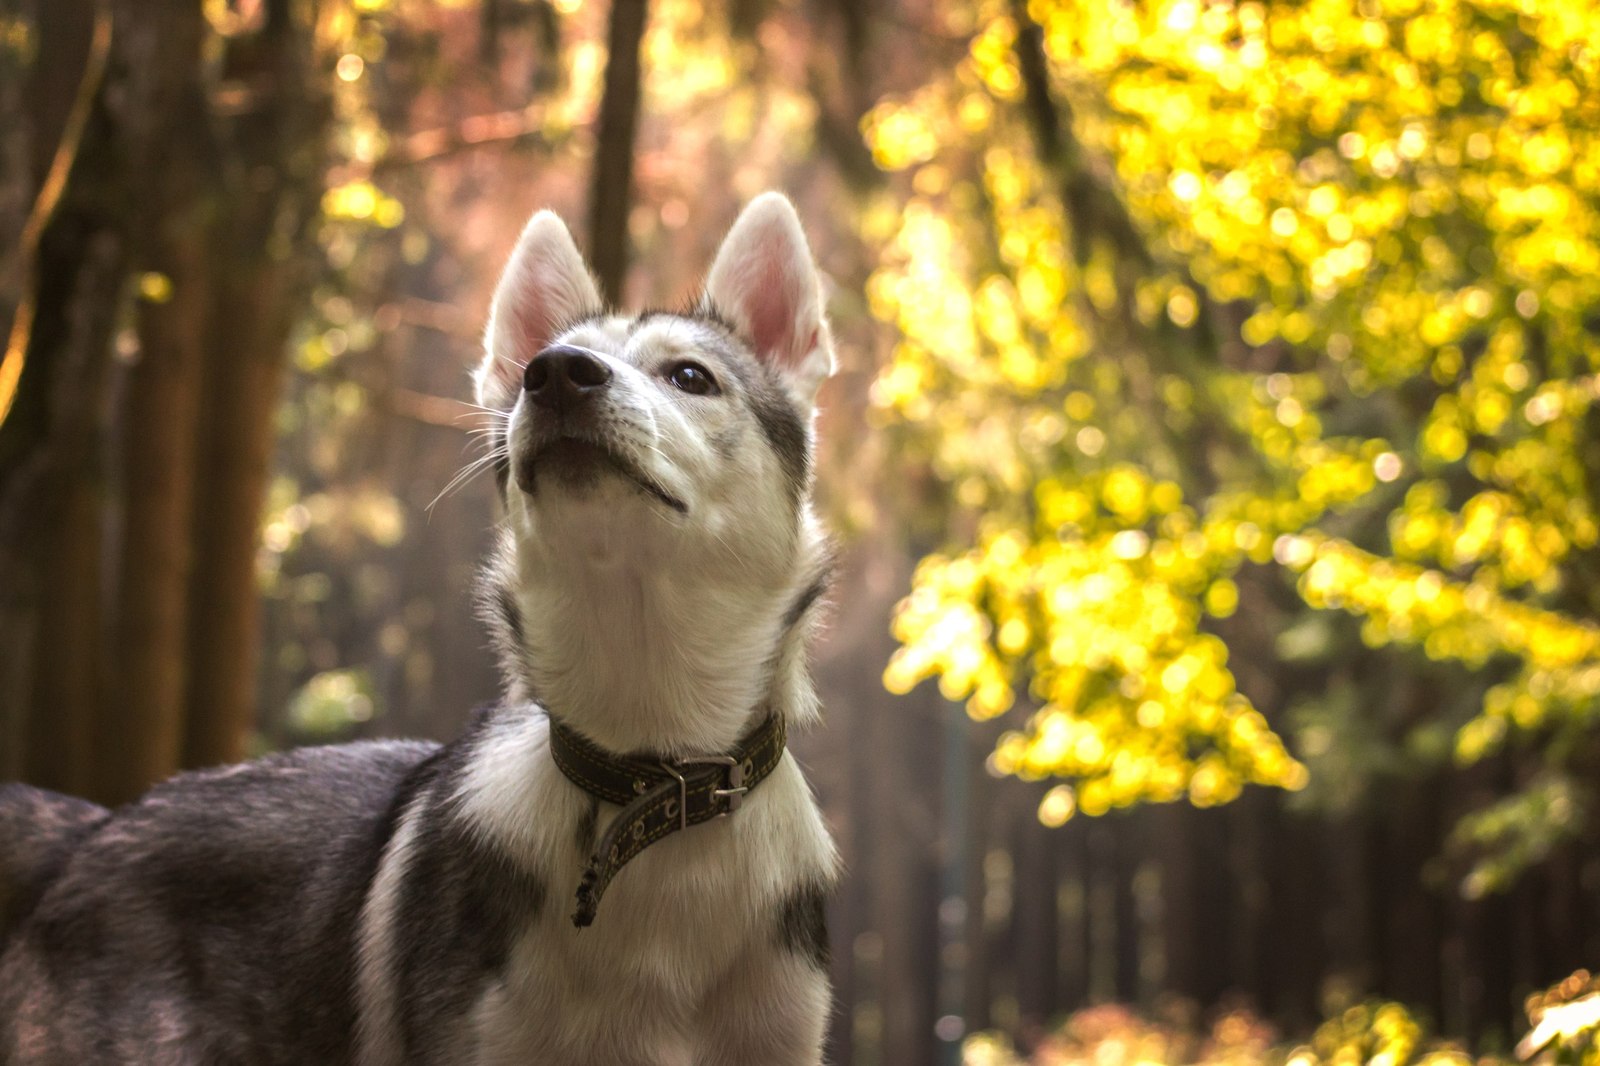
{"x": 672, "y": 448}
{"x": 680, "y": 433}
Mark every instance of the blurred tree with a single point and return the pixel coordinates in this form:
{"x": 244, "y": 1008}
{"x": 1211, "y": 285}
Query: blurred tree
{"x": 1196, "y": 298}
{"x": 153, "y": 326}
{"x": 611, "y": 186}
{"x": 53, "y": 76}
{"x": 172, "y": 230}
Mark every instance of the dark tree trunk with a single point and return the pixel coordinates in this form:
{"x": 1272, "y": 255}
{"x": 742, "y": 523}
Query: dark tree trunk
{"x": 1035, "y": 918}
{"x": 241, "y": 388}
{"x": 838, "y": 77}
{"x": 611, "y": 191}
{"x": 63, "y": 278}
{"x": 69, "y": 643}
{"x": 204, "y": 217}
{"x": 260, "y": 257}
{"x": 142, "y": 727}
{"x": 1128, "y": 847}
{"x": 142, "y": 730}
{"x": 1072, "y": 902}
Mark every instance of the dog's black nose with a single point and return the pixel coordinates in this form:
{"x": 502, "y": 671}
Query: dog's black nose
{"x": 561, "y": 375}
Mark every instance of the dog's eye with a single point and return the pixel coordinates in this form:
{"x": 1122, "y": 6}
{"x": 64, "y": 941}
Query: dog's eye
{"x": 693, "y": 378}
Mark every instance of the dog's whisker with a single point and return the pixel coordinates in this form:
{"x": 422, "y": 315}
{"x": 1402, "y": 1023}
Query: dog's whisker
{"x": 467, "y": 473}
{"x": 481, "y": 446}
{"x": 495, "y": 411}
{"x": 481, "y": 421}
{"x": 457, "y": 483}
{"x": 659, "y": 454}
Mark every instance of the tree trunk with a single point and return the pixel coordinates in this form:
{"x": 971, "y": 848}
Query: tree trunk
{"x": 52, "y": 508}
{"x": 69, "y": 642}
{"x": 241, "y": 388}
{"x": 1035, "y": 915}
{"x": 143, "y": 722}
{"x": 611, "y": 195}
{"x": 63, "y": 280}
{"x": 260, "y": 259}
{"x": 207, "y": 216}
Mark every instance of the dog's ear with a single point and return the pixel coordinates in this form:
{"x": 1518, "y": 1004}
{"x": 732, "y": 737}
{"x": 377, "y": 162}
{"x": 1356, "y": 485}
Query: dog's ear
{"x": 765, "y": 284}
{"x": 544, "y": 289}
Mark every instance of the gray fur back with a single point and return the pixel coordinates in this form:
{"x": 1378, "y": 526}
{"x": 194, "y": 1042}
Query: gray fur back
{"x": 212, "y": 921}
{"x": 38, "y": 831}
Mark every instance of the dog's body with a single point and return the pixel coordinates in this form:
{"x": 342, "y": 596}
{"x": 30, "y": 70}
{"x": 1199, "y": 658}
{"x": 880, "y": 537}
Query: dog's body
{"x": 387, "y": 903}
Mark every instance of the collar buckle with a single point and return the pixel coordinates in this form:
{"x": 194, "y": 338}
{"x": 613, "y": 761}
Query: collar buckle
{"x": 733, "y": 795}
{"x": 678, "y": 793}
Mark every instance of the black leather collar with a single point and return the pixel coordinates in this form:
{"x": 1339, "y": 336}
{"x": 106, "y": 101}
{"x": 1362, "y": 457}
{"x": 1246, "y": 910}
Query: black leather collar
{"x": 658, "y": 796}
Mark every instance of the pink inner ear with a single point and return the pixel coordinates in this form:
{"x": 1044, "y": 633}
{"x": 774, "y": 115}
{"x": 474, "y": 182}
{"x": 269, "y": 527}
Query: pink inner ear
{"x": 771, "y": 308}
{"x": 533, "y": 327}
{"x": 528, "y": 332}
{"x": 532, "y": 312}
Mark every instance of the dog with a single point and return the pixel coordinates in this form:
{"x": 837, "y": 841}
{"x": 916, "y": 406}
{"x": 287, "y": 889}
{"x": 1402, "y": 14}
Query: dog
{"x": 617, "y": 864}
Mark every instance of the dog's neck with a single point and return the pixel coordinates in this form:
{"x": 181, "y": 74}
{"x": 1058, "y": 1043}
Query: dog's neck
{"x": 651, "y": 660}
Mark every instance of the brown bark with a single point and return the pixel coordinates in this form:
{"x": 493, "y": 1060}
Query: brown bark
{"x": 162, "y": 194}
{"x": 1127, "y": 854}
{"x": 1073, "y": 918}
{"x": 66, "y": 680}
{"x": 259, "y": 262}
{"x": 51, "y": 509}
{"x": 611, "y": 191}
{"x": 69, "y": 645}
{"x": 240, "y": 396}
{"x": 63, "y": 276}
{"x": 16, "y": 182}
{"x": 905, "y": 870}
{"x": 141, "y": 728}
{"x": 837, "y": 76}
{"x": 1035, "y": 917}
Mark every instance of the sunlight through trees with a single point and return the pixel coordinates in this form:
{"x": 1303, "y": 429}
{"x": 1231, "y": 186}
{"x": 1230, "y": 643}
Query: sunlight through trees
{"x": 1343, "y": 339}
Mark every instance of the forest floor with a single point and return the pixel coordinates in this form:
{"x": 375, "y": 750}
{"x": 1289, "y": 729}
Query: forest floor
{"x": 1564, "y": 1030}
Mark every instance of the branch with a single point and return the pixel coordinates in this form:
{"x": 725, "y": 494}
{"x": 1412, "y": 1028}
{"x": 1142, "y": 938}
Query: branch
{"x": 1097, "y": 212}
{"x": 522, "y": 126}
{"x": 417, "y": 313}
{"x": 1095, "y": 207}
{"x": 1090, "y": 199}
{"x": 432, "y": 410}
{"x": 45, "y": 204}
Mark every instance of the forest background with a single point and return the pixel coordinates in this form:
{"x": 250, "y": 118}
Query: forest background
{"x": 1216, "y": 427}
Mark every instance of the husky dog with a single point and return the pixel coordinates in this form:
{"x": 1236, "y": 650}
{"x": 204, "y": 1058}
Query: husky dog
{"x": 394, "y": 902}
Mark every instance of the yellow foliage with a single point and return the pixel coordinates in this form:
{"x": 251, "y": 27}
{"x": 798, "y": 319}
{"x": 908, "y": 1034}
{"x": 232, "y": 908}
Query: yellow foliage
{"x": 1388, "y": 207}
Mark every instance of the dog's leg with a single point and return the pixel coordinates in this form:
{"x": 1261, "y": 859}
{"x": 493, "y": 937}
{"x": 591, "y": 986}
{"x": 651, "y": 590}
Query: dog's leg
{"x": 772, "y": 1009}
